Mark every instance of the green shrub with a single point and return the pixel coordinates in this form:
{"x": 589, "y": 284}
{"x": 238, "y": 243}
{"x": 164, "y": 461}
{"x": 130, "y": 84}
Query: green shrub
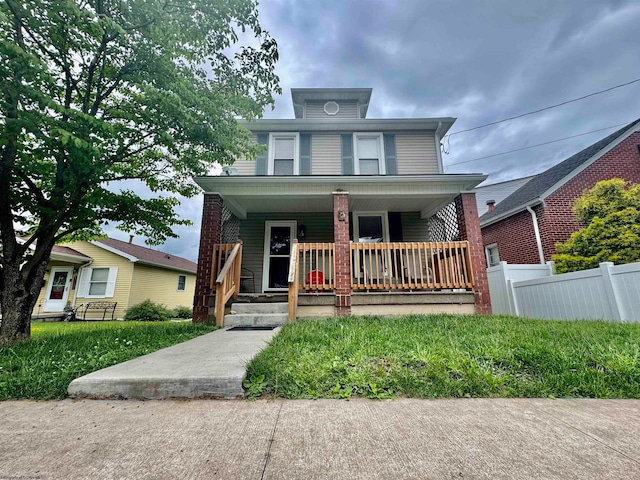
{"x": 148, "y": 311}
{"x": 182, "y": 312}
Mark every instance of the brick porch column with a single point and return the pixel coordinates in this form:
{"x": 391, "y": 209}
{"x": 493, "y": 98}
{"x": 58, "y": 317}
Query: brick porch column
{"x": 210, "y": 231}
{"x": 469, "y": 225}
{"x": 342, "y": 253}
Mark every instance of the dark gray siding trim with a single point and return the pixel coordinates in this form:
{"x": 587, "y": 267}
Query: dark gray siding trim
{"x": 305, "y": 154}
{"x": 261, "y": 161}
{"x": 347, "y": 154}
{"x": 391, "y": 159}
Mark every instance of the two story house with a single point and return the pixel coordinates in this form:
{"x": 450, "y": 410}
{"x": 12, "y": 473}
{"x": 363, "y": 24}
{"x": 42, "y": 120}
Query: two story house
{"x": 375, "y": 224}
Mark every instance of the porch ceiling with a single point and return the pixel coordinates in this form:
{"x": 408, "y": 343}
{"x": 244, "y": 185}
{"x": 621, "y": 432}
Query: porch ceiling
{"x": 423, "y": 193}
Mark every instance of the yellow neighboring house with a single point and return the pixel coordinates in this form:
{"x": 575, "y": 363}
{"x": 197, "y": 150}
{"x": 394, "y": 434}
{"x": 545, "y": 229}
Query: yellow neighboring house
{"x": 110, "y": 270}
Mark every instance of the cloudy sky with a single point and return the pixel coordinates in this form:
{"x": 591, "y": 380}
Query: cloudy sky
{"x": 478, "y": 61}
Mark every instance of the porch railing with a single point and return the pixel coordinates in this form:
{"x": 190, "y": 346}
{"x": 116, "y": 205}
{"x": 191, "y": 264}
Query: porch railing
{"x": 227, "y": 283}
{"x": 317, "y": 266}
{"x": 410, "y": 265}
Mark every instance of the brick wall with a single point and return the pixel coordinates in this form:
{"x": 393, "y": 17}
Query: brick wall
{"x": 558, "y": 222}
{"x": 469, "y": 225}
{"x": 210, "y": 231}
{"x": 515, "y": 236}
{"x": 342, "y": 253}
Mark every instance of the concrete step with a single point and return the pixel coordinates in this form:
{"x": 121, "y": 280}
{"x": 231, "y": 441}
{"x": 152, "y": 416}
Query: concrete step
{"x": 250, "y": 319}
{"x": 259, "y": 308}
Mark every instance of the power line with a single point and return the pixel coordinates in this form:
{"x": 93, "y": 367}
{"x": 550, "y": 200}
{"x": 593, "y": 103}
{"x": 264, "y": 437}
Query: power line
{"x": 543, "y": 109}
{"x": 537, "y": 145}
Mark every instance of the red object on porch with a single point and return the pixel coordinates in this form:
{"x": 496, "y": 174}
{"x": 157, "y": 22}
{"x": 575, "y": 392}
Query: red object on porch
{"x": 314, "y": 278}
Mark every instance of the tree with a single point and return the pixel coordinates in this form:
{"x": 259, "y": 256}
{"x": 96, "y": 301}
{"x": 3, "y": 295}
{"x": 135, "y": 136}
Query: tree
{"x": 99, "y": 93}
{"x": 610, "y": 213}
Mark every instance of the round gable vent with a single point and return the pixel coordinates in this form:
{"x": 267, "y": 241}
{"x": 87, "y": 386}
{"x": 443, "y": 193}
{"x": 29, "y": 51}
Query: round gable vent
{"x": 331, "y": 108}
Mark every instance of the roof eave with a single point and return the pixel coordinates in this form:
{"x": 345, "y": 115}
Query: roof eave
{"x": 509, "y": 213}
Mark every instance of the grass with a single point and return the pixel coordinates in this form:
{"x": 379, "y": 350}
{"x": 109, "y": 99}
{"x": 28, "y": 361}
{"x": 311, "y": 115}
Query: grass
{"x": 43, "y": 367}
{"x": 443, "y": 356}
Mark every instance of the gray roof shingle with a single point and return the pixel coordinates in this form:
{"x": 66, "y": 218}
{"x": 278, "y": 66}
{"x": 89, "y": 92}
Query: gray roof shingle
{"x": 542, "y": 182}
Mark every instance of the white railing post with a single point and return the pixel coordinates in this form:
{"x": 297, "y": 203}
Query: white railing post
{"x": 610, "y": 289}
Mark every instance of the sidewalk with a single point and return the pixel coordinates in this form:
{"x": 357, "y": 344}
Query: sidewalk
{"x": 359, "y": 439}
{"x": 209, "y": 366}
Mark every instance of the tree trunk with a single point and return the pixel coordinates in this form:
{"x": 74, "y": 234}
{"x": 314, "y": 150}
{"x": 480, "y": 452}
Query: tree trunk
{"x": 18, "y": 299}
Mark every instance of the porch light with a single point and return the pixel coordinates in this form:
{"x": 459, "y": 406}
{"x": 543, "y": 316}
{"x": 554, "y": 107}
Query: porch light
{"x": 302, "y": 231}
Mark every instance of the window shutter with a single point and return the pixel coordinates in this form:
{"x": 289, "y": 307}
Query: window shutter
{"x": 261, "y": 161}
{"x": 391, "y": 161}
{"x": 111, "y": 282}
{"x": 83, "y": 282}
{"x": 305, "y": 154}
{"x": 347, "y": 154}
{"x": 395, "y": 227}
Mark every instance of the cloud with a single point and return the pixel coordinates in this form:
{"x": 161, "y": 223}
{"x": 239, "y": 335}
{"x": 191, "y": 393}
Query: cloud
{"x": 478, "y": 61}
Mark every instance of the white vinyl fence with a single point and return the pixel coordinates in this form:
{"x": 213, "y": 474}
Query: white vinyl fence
{"x": 605, "y": 293}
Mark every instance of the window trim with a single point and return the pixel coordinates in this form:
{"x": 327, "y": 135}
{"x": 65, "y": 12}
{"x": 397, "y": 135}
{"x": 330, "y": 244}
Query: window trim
{"x": 272, "y": 150}
{"x": 385, "y": 224}
{"x": 106, "y": 282}
{"x": 382, "y": 168}
{"x": 184, "y": 288}
{"x": 487, "y": 254}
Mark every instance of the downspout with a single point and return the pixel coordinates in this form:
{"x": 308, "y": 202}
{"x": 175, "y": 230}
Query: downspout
{"x": 75, "y": 292}
{"x": 438, "y": 148}
{"x": 536, "y": 230}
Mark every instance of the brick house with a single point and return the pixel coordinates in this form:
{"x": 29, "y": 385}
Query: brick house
{"x": 342, "y": 214}
{"x": 525, "y": 226}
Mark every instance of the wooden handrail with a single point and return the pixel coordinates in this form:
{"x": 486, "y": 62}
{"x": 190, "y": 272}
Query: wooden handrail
{"x": 228, "y": 262}
{"x": 293, "y": 281}
{"x": 227, "y": 283}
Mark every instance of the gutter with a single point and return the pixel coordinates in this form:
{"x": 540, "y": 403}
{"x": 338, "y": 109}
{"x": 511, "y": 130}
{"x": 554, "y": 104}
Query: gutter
{"x": 75, "y": 292}
{"x": 536, "y": 230}
{"x": 439, "y": 148}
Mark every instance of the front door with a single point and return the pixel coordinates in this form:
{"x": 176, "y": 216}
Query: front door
{"x": 278, "y": 237}
{"x": 58, "y": 289}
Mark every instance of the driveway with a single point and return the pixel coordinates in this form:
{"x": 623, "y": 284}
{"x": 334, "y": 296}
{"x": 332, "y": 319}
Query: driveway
{"x": 359, "y": 439}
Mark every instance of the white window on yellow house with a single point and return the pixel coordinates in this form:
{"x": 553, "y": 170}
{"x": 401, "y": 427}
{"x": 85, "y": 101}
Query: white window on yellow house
{"x": 97, "y": 282}
{"x": 182, "y": 283}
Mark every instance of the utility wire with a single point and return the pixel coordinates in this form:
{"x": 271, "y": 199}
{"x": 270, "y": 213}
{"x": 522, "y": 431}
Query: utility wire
{"x": 543, "y": 109}
{"x": 537, "y": 145}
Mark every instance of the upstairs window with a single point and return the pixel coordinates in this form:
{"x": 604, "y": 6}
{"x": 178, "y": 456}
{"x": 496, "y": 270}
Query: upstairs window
{"x": 283, "y": 154}
{"x": 368, "y": 154}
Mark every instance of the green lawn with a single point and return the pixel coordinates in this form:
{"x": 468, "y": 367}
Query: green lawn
{"x": 444, "y": 356}
{"x": 43, "y": 367}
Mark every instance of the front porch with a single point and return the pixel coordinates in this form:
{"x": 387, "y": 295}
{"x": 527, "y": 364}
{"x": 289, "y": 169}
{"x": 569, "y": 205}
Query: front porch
{"x": 383, "y": 246}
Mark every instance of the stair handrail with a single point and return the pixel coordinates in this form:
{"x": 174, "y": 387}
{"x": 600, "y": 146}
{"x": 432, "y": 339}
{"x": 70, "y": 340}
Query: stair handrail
{"x": 293, "y": 281}
{"x": 228, "y": 281}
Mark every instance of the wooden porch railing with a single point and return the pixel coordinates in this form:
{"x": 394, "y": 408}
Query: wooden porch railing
{"x": 317, "y": 265}
{"x": 293, "y": 281}
{"x": 228, "y": 262}
{"x": 312, "y": 269}
{"x": 410, "y": 265}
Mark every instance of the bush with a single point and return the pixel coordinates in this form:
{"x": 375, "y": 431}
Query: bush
{"x": 148, "y": 311}
{"x": 182, "y": 312}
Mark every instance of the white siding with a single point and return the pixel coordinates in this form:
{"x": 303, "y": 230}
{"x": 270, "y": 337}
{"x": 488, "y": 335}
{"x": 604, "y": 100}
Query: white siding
{"x": 316, "y": 110}
{"x": 326, "y": 154}
{"x": 416, "y": 153}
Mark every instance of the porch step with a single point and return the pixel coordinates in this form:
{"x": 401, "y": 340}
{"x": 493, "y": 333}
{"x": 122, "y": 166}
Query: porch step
{"x": 256, "y": 308}
{"x": 257, "y": 314}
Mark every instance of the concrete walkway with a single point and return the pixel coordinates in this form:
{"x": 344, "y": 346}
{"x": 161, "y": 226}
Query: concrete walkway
{"x": 359, "y": 439}
{"x": 209, "y": 366}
